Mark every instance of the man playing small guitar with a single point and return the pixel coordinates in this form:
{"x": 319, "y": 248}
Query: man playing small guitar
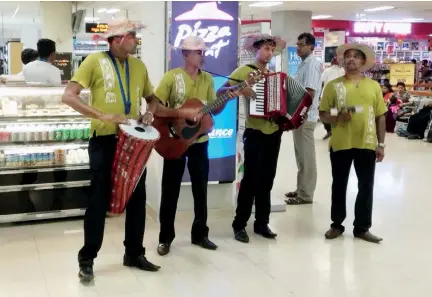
{"x": 174, "y": 90}
{"x": 262, "y": 139}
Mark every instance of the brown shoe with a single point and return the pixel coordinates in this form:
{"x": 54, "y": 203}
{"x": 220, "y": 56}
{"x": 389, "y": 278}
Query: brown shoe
{"x": 369, "y": 237}
{"x": 333, "y": 233}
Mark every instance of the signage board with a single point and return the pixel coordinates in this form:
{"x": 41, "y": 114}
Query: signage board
{"x": 96, "y": 28}
{"x": 217, "y": 24}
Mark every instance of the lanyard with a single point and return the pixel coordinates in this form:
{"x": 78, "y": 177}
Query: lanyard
{"x": 126, "y": 100}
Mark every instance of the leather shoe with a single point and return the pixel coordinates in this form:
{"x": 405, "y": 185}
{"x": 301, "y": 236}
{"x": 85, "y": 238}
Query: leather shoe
{"x": 241, "y": 235}
{"x": 369, "y": 237}
{"x": 205, "y": 243}
{"x": 264, "y": 231}
{"x": 333, "y": 233}
{"x": 86, "y": 273}
{"x": 140, "y": 262}
{"x": 163, "y": 249}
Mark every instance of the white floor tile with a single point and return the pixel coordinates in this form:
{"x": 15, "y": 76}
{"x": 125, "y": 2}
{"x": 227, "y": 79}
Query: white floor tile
{"x": 41, "y": 259}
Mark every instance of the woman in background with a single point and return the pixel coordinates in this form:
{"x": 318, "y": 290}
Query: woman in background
{"x": 387, "y": 91}
{"x": 393, "y": 105}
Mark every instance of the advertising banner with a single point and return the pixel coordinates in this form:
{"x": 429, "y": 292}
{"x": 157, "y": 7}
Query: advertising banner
{"x": 402, "y": 73}
{"x": 293, "y": 60}
{"x": 217, "y": 24}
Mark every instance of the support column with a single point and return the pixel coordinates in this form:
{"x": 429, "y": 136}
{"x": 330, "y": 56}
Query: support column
{"x": 30, "y": 35}
{"x": 153, "y": 14}
{"x": 289, "y": 25}
{"x": 57, "y": 24}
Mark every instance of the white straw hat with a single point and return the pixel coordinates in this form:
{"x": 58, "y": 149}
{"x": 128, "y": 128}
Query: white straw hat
{"x": 366, "y": 50}
{"x": 121, "y": 27}
{"x": 193, "y": 43}
{"x": 249, "y": 41}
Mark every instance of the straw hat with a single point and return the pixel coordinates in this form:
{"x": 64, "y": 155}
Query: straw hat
{"x": 193, "y": 43}
{"x": 121, "y": 27}
{"x": 369, "y": 53}
{"x": 249, "y": 41}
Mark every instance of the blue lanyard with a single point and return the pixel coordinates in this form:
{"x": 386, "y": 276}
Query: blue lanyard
{"x": 126, "y": 100}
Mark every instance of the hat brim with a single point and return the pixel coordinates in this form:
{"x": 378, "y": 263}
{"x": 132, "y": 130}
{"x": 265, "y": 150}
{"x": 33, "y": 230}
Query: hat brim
{"x": 192, "y": 48}
{"x": 128, "y": 27}
{"x": 369, "y": 53}
{"x": 250, "y": 40}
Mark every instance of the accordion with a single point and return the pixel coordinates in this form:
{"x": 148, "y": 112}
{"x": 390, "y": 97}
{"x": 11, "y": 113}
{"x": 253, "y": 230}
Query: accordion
{"x": 282, "y": 98}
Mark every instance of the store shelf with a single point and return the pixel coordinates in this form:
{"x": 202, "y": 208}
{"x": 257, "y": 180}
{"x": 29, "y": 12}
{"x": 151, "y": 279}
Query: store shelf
{"x": 48, "y": 117}
{"x": 46, "y": 186}
{"x": 42, "y": 168}
{"x": 41, "y": 216}
{"x": 52, "y": 145}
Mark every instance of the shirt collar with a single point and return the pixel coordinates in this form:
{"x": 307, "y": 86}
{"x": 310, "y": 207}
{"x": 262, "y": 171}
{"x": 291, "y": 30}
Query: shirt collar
{"x": 308, "y": 59}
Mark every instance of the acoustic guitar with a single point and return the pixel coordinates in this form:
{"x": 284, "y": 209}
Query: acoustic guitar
{"x": 177, "y": 134}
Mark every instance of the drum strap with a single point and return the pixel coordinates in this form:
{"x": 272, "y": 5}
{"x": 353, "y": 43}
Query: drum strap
{"x": 126, "y": 100}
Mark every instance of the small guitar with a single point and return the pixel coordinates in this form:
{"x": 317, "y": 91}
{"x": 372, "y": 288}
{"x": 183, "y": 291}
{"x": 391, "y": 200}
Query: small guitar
{"x": 177, "y": 134}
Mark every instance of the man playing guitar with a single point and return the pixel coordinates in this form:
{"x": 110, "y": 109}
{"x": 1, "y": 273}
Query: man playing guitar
{"x": 262, "y": 139}
{"x": 177, "y": 86}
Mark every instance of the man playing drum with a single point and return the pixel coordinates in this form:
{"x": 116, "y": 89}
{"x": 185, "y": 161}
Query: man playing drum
{"x": 117, "y": 81}
{"x": 176, "y": 86}
{"x": 262, "y": 139}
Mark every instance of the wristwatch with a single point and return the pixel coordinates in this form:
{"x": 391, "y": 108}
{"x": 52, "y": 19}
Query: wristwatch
{"x": 381, "y": 145}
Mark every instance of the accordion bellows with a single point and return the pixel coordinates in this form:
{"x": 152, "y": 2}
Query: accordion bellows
{"x": 282, "y": 98}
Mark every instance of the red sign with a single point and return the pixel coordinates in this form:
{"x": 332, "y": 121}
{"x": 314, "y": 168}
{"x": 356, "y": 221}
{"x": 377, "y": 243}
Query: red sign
{"x": 382, "y": 28}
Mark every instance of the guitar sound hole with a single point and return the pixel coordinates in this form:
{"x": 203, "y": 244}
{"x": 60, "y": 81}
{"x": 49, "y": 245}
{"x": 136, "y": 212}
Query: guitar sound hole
{"x": 190, "y": 123}
{"x": 140, "y": 129}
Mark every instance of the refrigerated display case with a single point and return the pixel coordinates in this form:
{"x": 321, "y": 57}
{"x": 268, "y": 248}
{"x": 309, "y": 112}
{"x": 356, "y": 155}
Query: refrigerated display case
{"x": 44, "y": 166}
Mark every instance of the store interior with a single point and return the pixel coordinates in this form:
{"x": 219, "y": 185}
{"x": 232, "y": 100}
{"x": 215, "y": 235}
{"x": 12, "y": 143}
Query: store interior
{"x": 45, "y": 174}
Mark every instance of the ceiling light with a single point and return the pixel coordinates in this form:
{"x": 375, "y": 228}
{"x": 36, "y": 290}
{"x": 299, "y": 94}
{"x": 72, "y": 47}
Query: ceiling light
{"x": 16, "y": 11}
{"x": 91, "y": 19}
{"x": 380, "y": 8}
{"x": 265, "y": 4}
{"x": 100, "y": 10}
{"x": 413, "y": 19}
{"x": 321, "y": 17}
{"x": 360, "y": 15}
{"x": 112, "y": 10}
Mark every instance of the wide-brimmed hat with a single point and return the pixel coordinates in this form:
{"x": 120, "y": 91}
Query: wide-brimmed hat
{"x": 366, "y": 50}
{"x": 249, "y": 41}
{"x": 193, "y": 43}
{"x": 122, "y": 27}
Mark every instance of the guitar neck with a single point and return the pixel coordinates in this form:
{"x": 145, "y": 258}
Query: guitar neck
{"x": 222, "y": 99}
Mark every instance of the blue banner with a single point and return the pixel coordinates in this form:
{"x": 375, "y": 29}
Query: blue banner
{"x": 293, "y": 60}
{"x": 217, "y": 24}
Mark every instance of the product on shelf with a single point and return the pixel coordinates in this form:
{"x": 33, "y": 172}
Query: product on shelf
{"x": 43, "y": 133}
{"x": 42, "y": 156}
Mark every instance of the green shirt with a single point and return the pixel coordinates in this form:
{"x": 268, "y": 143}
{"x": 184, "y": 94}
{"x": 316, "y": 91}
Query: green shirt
{"x": 98, "y": 74}
{"x": 266, "y": 126}
{"x": 360, "y": 131}
{"x": 177, "y": 86}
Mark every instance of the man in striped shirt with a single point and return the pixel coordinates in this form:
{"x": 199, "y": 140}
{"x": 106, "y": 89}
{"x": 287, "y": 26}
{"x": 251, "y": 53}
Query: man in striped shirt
{"x": 309, "y": 75}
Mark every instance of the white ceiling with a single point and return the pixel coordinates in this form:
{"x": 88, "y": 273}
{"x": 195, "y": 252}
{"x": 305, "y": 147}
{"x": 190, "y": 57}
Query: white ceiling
{"x": 346, "y": 10}
{"x": 28, "y": 12}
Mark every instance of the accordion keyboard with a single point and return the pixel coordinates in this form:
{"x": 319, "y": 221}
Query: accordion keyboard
{"x": 256, "y": 107}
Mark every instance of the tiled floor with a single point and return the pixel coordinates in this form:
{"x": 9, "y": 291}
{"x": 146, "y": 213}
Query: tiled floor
{"x": 40, "y": 259}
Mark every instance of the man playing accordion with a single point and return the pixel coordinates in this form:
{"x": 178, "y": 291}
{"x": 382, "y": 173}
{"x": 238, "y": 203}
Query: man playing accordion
{"x": 262, "y": 139}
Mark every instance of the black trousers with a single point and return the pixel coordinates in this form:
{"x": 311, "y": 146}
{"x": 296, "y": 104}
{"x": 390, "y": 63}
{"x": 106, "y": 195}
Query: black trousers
{"x": 364, "y": 165}
{"x": 327, "y": 127}
{"x": 261, "y": 152}
{"x": 101, "y": 154}
{"x": 198, "y": 165}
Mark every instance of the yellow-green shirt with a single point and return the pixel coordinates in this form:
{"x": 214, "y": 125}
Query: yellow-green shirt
{"x": 266, "y": 126}
{"x": 177, "y": 86}
{"x": 98, "y": 74}
{"x": 360, "y": 131}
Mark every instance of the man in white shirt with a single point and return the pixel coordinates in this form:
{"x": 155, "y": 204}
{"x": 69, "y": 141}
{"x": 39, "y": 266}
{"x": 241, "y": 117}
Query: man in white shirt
{"x": 42, "y": 70}
{"x": 331, "y": 73}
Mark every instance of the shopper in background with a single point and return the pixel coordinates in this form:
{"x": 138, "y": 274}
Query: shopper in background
{"x": 387, "y": 91}
{"x": 42, "y": 70}
{"x": 262, "y": 139}
{"x": 331, "y": 73}
{"x": 309, "y": 75}
{"x": 28, "y": 55}
{"x": 354, "y": 137}
{"x": 110, "y": 76}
